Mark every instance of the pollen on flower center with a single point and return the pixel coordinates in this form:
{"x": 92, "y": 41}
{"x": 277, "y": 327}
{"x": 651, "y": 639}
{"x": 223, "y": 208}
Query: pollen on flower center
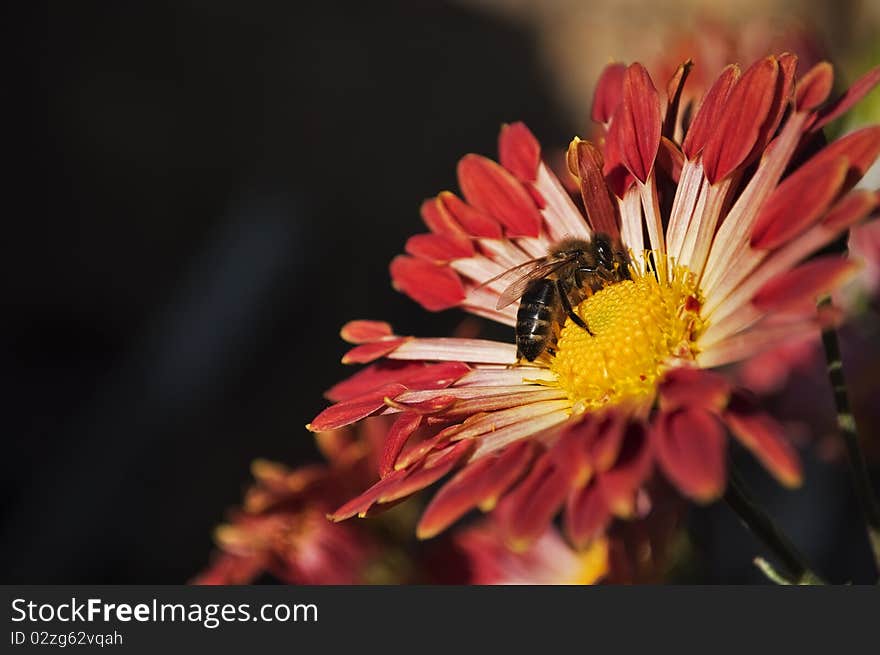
{"x": 640, "y": 328}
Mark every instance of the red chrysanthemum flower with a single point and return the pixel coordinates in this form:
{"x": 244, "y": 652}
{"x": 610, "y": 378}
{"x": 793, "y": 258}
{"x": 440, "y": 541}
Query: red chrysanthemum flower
{"x": 719, "y": 228}
{"x": 548, "y": 561}
{"x": 282, "y": 529}
{"x": 640, "y": 551}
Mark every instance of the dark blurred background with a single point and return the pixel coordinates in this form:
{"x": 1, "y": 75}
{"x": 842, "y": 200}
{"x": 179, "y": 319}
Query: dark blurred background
{"x": 204, "y": 193}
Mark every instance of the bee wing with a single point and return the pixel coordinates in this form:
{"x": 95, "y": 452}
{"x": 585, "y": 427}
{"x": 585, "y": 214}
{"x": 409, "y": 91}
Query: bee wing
{"x": 512, "y": 272}
{"x": 541, "y": 269}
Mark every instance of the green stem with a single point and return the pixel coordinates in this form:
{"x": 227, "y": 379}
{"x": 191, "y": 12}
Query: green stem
{"x": 763, "y": 527}
{"x": 846, "y": 427}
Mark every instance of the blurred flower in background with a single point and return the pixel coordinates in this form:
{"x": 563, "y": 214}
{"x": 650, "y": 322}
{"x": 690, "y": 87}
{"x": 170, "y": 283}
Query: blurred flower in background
{"x": 281, "y": 527}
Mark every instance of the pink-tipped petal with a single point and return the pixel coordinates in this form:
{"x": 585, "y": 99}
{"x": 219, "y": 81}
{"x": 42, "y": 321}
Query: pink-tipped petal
{"x": 691, "y": 450}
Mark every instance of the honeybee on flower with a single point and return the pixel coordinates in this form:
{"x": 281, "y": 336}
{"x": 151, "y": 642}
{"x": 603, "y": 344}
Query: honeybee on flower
{"x": 720, "y": 216}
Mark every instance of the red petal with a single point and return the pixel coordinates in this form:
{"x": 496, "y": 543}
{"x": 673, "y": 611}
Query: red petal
{"x": 413, "y": 375}
{"x": 480, "y": 483}
{"x": 353, "y": 410}
{"x": 433, "y": 405}
{"x": 814, "y": 87}
{"x": 362, "y": 503}
{"x": 490, "y": 188}
{"x": 519, "y": 151}
{"x": 637, "y": 123}
{"x": 620, "y": 484}
{"x": 617, "y": 177}
{"x": 368, "y": 352}
{"x": 692, "y": 387}
{"x": 428, "y": 473}
{"x": 438, "y": 248}
{"x": 586, "y": 515}
{"x": 740, "y": 125}
{"x": 399, "y": 433}
{"x": 690, "y": 446}
{"x": 609, "y": 92}
{"x": 765, "y": 438}
{"x": 525, "y": 512}
{"x": 670, "y": 159}
{"x": 799, "y": 202}
{"x": 365, "y": 331}
{"x": 434, "y": 287}
{"x": 585, "y": 162}
{"x": 861, "y": 148}
{"x": 851, "y": 209}
{"x": 571, "y": 450}
{"x": 803, "y": 285}
{"x": 607, "y": 440}
{"x": 439, "y": 220}
{"x": 673, "y": 97}
{"x": 844, "y": 103}
{"x": 781, "y": 100}
{"x": 421, "y": 449}
{"x": 474, "y": 222}
{"x": 706, "y": 118}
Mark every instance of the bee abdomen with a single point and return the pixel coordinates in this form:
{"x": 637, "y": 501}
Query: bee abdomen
{"x": 534, "y": 319}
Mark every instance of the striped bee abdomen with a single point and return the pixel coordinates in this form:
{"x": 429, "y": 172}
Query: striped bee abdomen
{"x": 538, "y": 310}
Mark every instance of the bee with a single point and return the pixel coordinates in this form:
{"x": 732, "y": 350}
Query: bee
{"x": 548, "y": 287}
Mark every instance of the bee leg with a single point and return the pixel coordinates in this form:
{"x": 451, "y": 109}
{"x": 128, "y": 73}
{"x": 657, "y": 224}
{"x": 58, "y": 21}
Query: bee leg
{"x": 566, "y": 305}
{"x": 578, "y": 272}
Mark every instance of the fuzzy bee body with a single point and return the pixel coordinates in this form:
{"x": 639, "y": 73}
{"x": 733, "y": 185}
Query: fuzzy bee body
{"x": 549, "y": 287}
{"x": 539, "y": 310}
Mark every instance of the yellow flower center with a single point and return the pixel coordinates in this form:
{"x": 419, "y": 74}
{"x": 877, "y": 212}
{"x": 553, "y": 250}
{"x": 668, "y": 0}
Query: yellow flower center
{"x": 640, "y": 327}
